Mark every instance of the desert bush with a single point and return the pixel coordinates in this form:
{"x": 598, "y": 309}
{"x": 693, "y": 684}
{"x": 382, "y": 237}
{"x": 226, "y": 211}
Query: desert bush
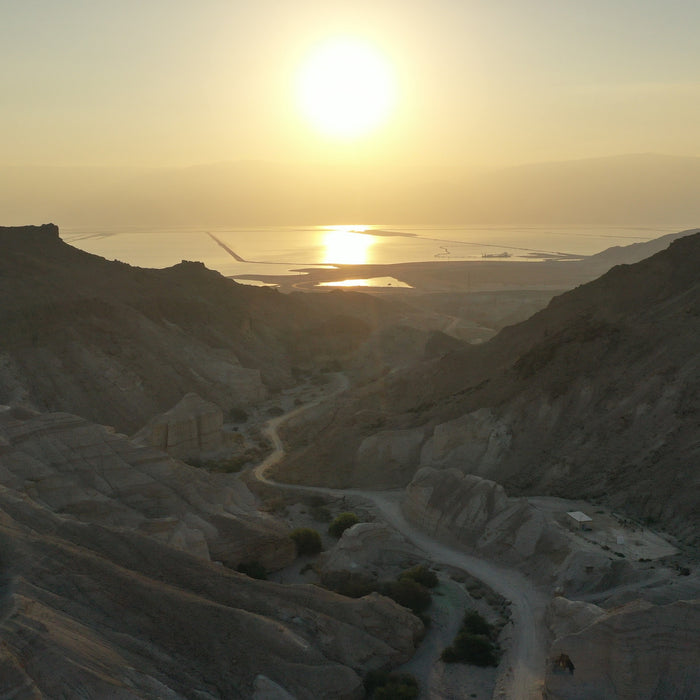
{"x": 471, "y": 649}
{"x": 342, "y": 523}
{"x": 254, "y": 569}
{"x": 421, "y": 574}
{"x": 474, "y": 623}
{"x": 308, "y": 541}
{"x": 407, "y": 593}
{"x": 473, "y": 643}
{"x": 391, "y": 686}
{"x": 237, "y": 415}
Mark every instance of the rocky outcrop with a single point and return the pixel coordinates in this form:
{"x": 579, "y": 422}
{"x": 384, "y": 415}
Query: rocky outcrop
{"x": 98, "y": 611}
{"x": 473, "y": 443}
{"x": 107, "y": 588}
{"x": 191, "y": 428}
{"x": 564, "y": 616}
{"x": 366, "y": 548}
{"x": 449, "y": 503}
{"x": 388, "y": 457}
{"x": 637, "y": 652}
{"x": 477, "y": 514}
{"x": 86, "y": 472}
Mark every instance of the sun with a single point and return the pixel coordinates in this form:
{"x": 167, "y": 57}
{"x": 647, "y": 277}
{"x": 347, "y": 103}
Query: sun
{"x": 346, "y": 88}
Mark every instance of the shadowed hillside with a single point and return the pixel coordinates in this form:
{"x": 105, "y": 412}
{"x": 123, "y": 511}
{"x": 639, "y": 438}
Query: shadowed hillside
{"x": 118, "y": 344}
{"x": 595, "y": 396}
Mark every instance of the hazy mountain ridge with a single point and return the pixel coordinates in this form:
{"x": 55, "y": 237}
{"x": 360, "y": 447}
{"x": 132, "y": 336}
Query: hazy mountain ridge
{"x": 654, "y": 189}
{"x": 598, "y": 394}
{"x": 118, "y": 344}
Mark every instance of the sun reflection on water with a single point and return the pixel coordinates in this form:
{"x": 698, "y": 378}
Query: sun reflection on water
{"x": 347, "y": 245}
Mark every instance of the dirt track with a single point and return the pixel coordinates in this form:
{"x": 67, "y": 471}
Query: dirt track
{"x": 523, "y": 667}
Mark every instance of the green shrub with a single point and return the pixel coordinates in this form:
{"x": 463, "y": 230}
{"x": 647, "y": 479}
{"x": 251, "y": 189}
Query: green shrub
{"x": 407, "y": 593}
{"x": 308, "y": 541}
{"x": 342, "y": 523}
{"x": 473, "y": 643}
{"x": 392, "y": 686}
{"x": 472, "y": 649}
{"x": 237, "y": 415}
{"x": 421, "y": 574}
{"x": 254, "y": 569}
{"x": 476, "y": 624}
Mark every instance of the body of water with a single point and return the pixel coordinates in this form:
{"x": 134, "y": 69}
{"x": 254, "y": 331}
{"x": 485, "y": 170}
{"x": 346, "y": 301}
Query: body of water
{"x": 279, "y": 250}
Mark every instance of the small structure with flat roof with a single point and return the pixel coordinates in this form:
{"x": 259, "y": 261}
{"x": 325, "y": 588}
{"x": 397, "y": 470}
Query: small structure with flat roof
{"x": 580, "y": 519}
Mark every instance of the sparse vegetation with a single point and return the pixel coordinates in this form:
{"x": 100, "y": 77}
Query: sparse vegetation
{"x": 342, "y": 523}
{"x": 382, "y": 685}
{"x": 254, "y": 569}
{"x": 276, "y": 505}
{"x": 474, "y": 643}
{"x": 421, "y": 574}
{"x": 237, "y": 415}
{"x": 408, "y": 593}
{"x": 318, "y": 510}
{"x": 307, "y": 541}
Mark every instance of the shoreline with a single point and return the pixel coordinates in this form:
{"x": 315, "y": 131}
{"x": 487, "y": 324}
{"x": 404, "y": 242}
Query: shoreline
{"x": 433, "y": 276}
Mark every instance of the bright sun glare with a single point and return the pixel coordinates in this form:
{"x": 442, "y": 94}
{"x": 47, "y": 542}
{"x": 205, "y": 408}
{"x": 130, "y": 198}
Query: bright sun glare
{"x": 347, "y": 245}
{"x": 346, "y": 88}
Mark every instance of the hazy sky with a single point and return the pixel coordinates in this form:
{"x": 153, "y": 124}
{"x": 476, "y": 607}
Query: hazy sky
{"x": 478, "y": 83}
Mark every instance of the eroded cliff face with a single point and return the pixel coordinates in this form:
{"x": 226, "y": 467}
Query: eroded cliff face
{"x": 87, "y": 472}
{"x": 637, "y": 652}
{"x": 477, "y": 515}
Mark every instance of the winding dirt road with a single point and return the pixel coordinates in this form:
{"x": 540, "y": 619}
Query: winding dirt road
{"x": 522, "y": 669}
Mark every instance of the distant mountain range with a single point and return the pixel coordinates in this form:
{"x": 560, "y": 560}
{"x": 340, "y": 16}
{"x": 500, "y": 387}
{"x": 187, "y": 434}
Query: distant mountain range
{"x": 644, "y": 189}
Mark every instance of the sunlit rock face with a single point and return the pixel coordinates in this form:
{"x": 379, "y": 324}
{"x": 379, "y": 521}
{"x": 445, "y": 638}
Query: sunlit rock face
{"x": 637, "y": 652}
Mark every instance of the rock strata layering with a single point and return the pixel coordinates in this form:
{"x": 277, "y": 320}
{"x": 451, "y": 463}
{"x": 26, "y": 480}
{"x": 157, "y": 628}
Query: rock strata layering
{"x": 89, "y": 473}
{"x": 477, "y": 515}
{"x": 107, "y": 588}
{"x": 191, "y": 428}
